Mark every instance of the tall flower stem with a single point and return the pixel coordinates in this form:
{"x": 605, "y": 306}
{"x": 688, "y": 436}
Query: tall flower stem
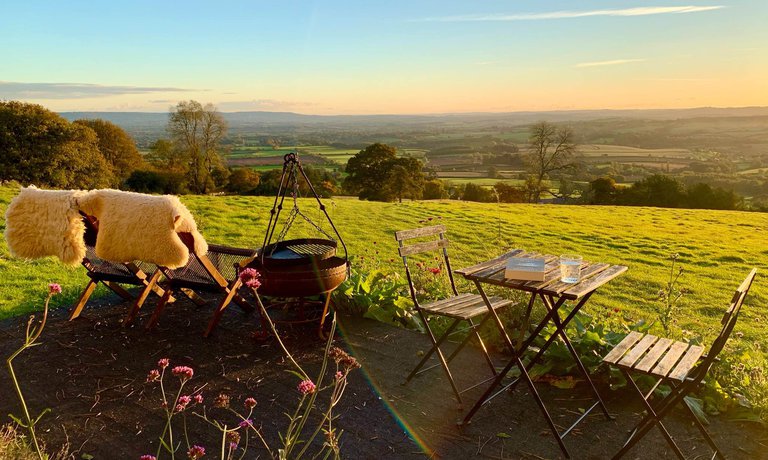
{"x": 31, "y": 335}
{"x": 313, "y": 396}
{"x": 272, "y": 328}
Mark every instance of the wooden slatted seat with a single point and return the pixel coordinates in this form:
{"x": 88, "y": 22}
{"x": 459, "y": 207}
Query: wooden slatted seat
{"x": 463, "y": 306}
{"x": 681, "y": 365}
{"x": 458, "y": 307}
{"x": 659, "y": 357}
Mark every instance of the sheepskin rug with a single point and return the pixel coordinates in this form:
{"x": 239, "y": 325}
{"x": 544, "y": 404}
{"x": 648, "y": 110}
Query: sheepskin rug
{"x": 42, "y": 223}
{"x": 134, "y": 226}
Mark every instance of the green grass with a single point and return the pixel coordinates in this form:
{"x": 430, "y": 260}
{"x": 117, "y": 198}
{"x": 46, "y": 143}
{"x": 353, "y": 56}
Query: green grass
{"x": 716, "y": 248}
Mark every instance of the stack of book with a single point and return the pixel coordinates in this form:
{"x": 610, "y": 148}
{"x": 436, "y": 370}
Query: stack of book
{"x": 525, "y": 269}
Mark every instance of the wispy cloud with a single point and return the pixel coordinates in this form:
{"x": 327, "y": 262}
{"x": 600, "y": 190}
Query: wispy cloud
{"x": 20, "y": 90}
{"x": 683, "y": 80}
{"x": 639, "y": 11}
{"x": 604, "y": 63}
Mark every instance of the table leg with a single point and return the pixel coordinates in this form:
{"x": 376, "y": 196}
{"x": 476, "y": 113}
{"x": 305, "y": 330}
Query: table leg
{"x": 549, "y": 303}
{"x": 516, "y": 361}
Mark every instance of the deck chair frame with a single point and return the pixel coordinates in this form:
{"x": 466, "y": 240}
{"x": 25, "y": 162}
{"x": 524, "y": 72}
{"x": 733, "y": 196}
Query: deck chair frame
{"x": 202, "y": 274}
{"x": 459, "y": 307}
{"x": 636, "y": 354}
{"x": 113, "y": 274}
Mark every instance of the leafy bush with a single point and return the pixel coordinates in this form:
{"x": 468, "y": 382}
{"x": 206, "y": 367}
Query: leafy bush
{"x": 376, "y": 295}
{"x": 144, "y": 181}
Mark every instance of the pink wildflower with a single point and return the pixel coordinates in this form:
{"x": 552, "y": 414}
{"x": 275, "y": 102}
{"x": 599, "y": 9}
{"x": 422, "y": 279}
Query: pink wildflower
{"x": 183, "y": 372}
{"x": 154, "y": 374}
{"x": 163, "y": 363}
{"x": 195, "y": 452}
{"x": 199, "y": 398}
{"x": 184, "y": 401}
{"x": 435, "y": 271}
{"x": 306, "y": 387}
{"x": 54, "y": 288}
{"x": 250, "y": 403}
{"x": 250, "y": 277}
{"x": 179, "y": 408}
{"x": 339, "y": 375}
{"x": 247, "y": 423}
{"x": 148, "y": 457}
{"x": 234, "y": 439}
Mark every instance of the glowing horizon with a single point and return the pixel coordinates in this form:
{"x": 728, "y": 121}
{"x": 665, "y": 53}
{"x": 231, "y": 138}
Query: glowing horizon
{"x": 346, "y": 58}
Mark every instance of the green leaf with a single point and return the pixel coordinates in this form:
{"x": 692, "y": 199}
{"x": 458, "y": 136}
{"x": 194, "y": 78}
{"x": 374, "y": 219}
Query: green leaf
{"x": 503, "y": 435}
{"x": 18, "y": 421}
{"x": 565, "y": 383}
{"x": 697, "y": 407}
{"x": 45, "y": 411}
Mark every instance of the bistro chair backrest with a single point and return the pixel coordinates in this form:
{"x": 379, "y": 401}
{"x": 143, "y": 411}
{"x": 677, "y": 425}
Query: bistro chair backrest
{"x": 436, "y": 242}
{"x": 728, "y": 322}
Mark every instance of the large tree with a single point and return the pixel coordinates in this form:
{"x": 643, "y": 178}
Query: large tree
{"x": 197, "y": 132}
{"x": 550, "y": 149}
{"x": 40, "y": 147}
{"x": 376, "y": 173}
{"x": 117, "y": 147}
{"x": 405, "y": 179}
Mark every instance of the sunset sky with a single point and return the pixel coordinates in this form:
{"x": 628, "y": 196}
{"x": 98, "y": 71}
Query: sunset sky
{"x": 399, "y": 57}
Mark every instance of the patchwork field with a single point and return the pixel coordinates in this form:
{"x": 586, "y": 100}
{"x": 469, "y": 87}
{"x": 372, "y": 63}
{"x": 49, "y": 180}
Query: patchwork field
{"x": 716, "y": 250}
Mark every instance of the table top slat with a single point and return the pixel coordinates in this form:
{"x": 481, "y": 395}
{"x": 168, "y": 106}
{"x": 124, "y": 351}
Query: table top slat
{"x": 586, "y": 272}
{"x": 551, "y": 275}
{"x": 589, "y": 285}
{"x": 472, "y": 269}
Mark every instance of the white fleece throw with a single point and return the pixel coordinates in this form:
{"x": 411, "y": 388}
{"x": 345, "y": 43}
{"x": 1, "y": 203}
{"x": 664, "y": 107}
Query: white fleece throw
{"x": 42, "y": 223}
{"x": 134, "y": 226}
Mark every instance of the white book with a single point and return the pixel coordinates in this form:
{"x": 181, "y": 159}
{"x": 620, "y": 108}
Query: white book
{"x": 525, "y": 269}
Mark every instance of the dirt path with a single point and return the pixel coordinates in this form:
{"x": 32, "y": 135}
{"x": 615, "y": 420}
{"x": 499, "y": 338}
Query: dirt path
{"x": 91, "y": 373}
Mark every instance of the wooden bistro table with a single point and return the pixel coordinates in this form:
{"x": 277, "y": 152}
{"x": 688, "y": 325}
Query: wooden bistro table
{"x": 553, "y": 294}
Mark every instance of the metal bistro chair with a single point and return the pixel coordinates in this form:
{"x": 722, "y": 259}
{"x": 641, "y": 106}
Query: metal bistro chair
{"x": 674, "y": 363}
{"x": 459, "y": 307}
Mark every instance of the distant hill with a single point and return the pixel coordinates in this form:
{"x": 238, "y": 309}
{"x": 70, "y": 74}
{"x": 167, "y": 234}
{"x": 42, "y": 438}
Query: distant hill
{"x": 148, "y": 119}
{"x": 729, "y": 125}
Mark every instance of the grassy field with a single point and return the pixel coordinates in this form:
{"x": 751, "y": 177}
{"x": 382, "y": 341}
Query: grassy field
{"x": 716, "y": 249}
{"x": 598, "y": 150}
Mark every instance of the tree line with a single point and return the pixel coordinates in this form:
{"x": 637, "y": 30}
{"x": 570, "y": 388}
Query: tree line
{"x": 40, "y": 147}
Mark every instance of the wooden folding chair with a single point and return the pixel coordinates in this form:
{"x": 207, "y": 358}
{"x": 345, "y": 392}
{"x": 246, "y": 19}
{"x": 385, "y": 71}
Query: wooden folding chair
{"x": 680, "y": 365}
{"x": 113, "y": 275}
{"x": 459, "y": 307}
{"x": 211, "y": 272}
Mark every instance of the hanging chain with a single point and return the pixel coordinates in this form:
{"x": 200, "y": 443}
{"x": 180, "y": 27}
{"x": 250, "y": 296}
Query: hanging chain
{"x": 295, "y": 211}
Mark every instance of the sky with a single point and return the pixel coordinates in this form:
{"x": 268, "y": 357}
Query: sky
{"x": 386, "y": 57}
